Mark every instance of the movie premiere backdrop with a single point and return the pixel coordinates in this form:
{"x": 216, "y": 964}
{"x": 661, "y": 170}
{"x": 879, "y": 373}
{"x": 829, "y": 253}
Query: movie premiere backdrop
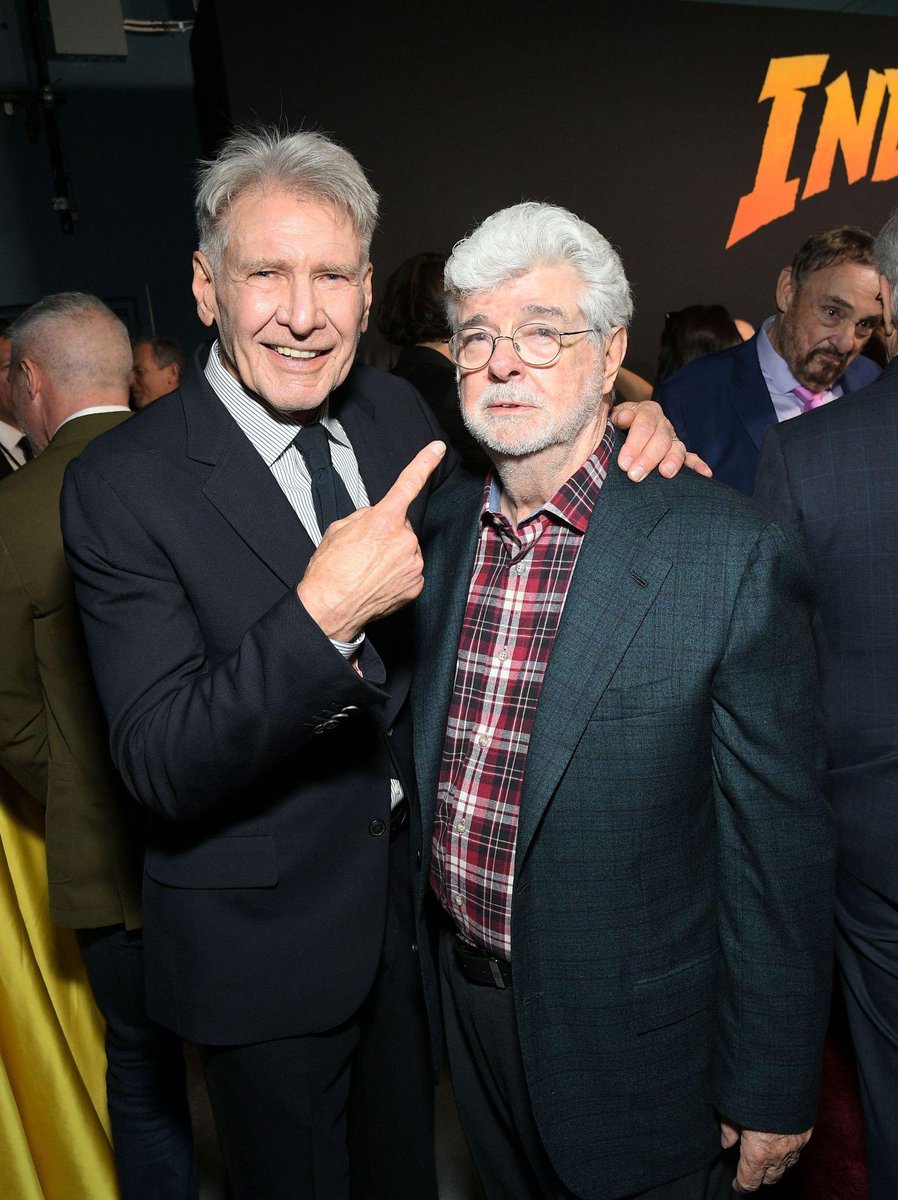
{"x": 705, "y": 141}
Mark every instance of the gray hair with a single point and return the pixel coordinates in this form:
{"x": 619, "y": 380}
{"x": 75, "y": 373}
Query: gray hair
{"x": 97, "y": 352}
{"x": 307, "y": 165}
{"x": 526, "y": 236}
{"x": 165, "y": 351}
{"x": 885, "y": 256}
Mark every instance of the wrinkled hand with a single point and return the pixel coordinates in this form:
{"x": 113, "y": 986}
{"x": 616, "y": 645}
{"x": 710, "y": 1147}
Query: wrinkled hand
{"x": 652, "y": 442}
{"x": 369, "y": 564}
{"x": 763, "y": 1157}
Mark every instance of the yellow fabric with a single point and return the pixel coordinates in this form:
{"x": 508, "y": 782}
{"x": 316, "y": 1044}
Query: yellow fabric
{"x": 54, "y": 1129}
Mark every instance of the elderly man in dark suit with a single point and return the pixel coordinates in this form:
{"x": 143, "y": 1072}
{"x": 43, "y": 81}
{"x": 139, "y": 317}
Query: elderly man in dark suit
{"x": 71, "y": 365}
{"x": 626, "y": 855}
{"x": 834, "y": 476}
{"x": 242, "y": 550}
{"x": 804, "y": 357}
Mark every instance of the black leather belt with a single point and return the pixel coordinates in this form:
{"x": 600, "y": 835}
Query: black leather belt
{"x": 479, "y": 967}
{"x": 398, "y": 818}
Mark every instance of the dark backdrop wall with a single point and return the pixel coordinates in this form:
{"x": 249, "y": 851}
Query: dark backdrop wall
{"x": 646, "y": 121}
{"x": 130, "y": 140}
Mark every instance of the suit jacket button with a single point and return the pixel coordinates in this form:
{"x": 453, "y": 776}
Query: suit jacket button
{"x": 377, "y": 827}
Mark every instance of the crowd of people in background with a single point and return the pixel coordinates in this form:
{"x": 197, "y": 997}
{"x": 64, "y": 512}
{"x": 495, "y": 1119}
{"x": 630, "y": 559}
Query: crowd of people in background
{"x": 573, "y": 821}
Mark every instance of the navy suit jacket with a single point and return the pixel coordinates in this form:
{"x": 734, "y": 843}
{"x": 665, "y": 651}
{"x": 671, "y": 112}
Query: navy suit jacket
{"x": 671, "y": 915}
{"x": 720, "y": 407}
{"x": 834, "y": 475}
{"x": 258, "y": 751}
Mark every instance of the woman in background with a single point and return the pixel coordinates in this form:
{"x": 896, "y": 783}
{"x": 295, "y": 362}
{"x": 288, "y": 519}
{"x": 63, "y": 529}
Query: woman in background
{"x": 693, "y": 332}
{"x": 411, "y": 315}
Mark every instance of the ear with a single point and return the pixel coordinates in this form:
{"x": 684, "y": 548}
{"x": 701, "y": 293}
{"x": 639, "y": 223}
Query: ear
{"x": 203, "y": 288}
{"x": 785, "y": 290}
{"x": 366, "y": 291}
{"x": 31, "y": 373}
{"x": 613, "y": 356}
{"x": 888, "y": 298}
{"x": 28, "y": 408}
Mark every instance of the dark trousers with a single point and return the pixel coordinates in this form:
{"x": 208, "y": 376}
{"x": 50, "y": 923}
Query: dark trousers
{"x": 145, "y": 1078}
{"x": 867, "y": 955}
{"x": 348, "y": 1112}
{"x": 494, "y": 1104}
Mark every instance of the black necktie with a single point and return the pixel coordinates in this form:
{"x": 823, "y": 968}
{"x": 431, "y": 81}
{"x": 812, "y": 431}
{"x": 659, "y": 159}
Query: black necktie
{"x": 329, "y": 492}
{"x": 25, "y": 446}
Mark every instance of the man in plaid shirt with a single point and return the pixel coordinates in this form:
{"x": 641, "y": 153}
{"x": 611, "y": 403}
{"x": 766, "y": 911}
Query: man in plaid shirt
{"x": 626, "y": 856}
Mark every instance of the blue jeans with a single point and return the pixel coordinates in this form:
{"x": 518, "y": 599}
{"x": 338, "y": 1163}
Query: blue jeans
{"x": 145, "y": 1078}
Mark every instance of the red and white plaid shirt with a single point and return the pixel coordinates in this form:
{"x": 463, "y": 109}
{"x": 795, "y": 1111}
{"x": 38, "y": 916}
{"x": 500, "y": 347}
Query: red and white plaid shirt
{"x": 518, "y": 588}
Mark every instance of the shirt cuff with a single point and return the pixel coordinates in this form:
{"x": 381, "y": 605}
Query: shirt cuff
{"x": 349, "y": 649}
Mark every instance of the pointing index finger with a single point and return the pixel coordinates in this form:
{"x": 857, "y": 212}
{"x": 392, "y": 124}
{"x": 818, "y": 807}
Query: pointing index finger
{"x": 412, "y": 479}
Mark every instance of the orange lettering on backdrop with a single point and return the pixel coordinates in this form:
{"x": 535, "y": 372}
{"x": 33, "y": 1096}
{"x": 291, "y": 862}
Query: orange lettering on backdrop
{"x": 774, "y": 195}
{"x": 887, "y": 159}
{"x": 842, "y": 126}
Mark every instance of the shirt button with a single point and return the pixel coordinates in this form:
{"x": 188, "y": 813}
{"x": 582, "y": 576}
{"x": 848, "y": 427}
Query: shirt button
{"x": 483, "y": 740}
{"x": 519, "y": 568}
{"x": 502, "y": 655}
{"x": 458, "y": 900}
{"x": 461, "y": 826}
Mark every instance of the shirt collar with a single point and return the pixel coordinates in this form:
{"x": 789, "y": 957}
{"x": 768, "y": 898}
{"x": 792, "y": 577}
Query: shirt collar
{"x": 271, "y": 433}
{"x": 774, "y": 367}
{"x": 9, "y": 435}
{"x": 574, "y": 501}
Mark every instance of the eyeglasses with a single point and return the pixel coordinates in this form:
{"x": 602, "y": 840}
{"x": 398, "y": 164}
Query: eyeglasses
{"x": 535, "y": 344}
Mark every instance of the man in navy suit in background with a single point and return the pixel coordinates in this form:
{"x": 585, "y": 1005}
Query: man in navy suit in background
{"x": 835, "y": 477}
{"x": 805, "y": 356}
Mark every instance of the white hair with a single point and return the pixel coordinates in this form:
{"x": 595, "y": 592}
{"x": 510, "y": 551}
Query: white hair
{"x": 885, "y": 256}
{"x": 307, "y": 165}
{"x": 519, "y": 239}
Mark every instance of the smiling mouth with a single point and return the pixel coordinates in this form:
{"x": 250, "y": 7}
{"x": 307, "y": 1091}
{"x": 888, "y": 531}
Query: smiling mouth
{"x": 293, "y": 352}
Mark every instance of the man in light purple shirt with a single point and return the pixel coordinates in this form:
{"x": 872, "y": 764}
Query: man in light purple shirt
{"x": 806, "y": 355}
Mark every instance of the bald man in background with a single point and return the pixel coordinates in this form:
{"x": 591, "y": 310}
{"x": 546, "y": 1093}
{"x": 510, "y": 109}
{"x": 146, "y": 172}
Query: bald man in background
{"x": 69, "y": 376}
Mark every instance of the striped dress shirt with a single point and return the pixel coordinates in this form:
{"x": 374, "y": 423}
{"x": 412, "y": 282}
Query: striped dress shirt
{"x": 272, "y": 436}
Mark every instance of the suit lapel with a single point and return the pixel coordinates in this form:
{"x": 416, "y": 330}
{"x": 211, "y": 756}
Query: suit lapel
{"x": 357, "y": 418}
{"x": 615, "y": 583}
{"x": 241, "y": 486}
{"x": 750, "y": 397}
{"x": 448, "y": 561}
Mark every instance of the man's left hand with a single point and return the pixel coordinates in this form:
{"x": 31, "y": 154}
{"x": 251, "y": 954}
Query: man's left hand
{"x": 763, "y": 1157}
{"x": 652, "y": 442}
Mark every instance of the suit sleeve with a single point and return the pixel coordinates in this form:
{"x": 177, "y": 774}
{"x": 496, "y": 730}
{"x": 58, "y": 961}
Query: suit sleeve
{"x": 773, "y": 489}
{"x": 186, "y": 732}
{"x": 669, "y": 399}
{"x": 775, "y": 847}
{"x": 23, "y": 721}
